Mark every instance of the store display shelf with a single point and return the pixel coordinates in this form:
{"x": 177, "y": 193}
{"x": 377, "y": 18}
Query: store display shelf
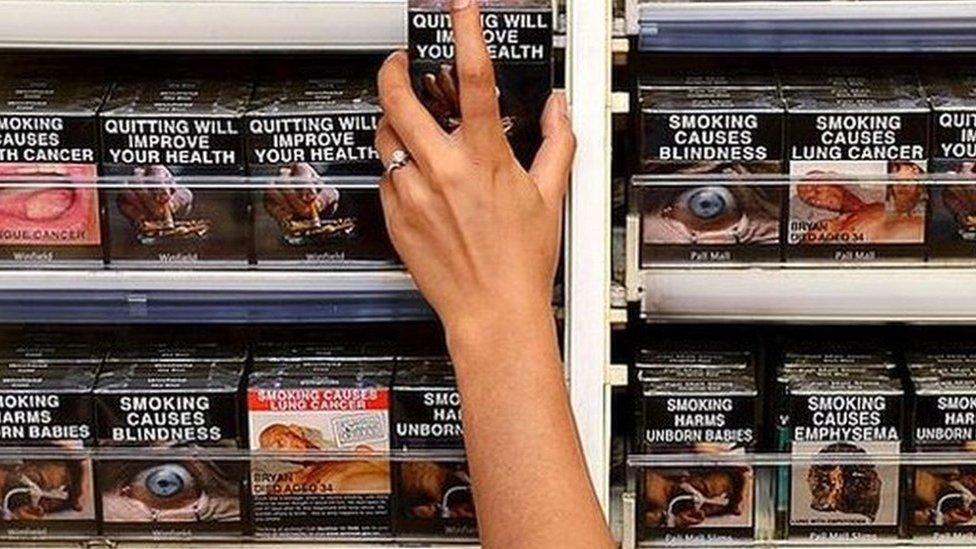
{"x": 808, "y": 26}
{"x": 779, "y": 482}
{"x": 923, "y": 295}
{"x": 114, "y": 543}
{"x": 376, "y": 25}
{"x": 79, "y": 296}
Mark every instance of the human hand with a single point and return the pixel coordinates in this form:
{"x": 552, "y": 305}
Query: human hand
{"x": 154, "y": 198}
{"x": 302, "y": 200}
{"x": 479, "y": 234}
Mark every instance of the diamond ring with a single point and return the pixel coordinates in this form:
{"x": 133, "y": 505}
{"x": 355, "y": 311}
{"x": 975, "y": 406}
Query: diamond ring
{"x": 398, "y": 159}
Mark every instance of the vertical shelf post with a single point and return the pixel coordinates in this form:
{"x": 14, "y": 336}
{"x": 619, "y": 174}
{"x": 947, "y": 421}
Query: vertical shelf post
{"x": 588, "y": 63}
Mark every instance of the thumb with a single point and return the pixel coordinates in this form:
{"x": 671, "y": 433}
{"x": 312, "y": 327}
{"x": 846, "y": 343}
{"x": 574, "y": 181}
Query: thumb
{"x": 554, "y": 160}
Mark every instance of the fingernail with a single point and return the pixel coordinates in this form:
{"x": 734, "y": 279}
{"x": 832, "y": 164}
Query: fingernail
{"x": 562, "y": 102}
{"x": 460, "y": 4}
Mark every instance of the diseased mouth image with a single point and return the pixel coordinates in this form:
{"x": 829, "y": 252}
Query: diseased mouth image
{"x": 47, "y": 216}
{"x": 306, "y": 214}
{"x": 845, "y": 488}
{"x": 158, "y": 209}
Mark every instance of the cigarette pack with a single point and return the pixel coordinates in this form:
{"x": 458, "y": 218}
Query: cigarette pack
{"x": 308, "y": 137}
{"x": 711, "y": 131}
{"x": 324, "y": 405}
{"x": 153, "y": 133}
{"x": 519, "y": 38}
{"x": 48, "y": 131}
{"x": 431, "y": 497}
{"x": 46, "y": 404}
{"x": 169, "y": 409}
{"x": 837, "y": 139}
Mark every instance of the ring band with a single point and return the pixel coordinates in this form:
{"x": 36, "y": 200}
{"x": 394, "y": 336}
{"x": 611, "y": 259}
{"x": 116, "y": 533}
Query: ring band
{"x": 398, "y": 159}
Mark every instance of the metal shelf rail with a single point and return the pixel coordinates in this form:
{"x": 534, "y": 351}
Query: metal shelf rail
{"x": 110, "y": 297}
{"x": 807, "y": 26}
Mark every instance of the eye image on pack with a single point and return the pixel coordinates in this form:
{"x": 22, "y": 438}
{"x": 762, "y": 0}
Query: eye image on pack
{"x": 170, "y": 406}
{"x": 145, "y": 491}
{"x": 713, "y": 216}
{"x": 709, "y": 131}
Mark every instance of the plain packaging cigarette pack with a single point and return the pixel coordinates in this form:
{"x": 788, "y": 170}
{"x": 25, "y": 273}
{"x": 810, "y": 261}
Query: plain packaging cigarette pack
{"x": 859, "y": 414}
{"x": 153, "y": 132}
{"x": 311, "y": 134}
{"x": 702, "y": 131}
{"x": 325, "y": 402}
{"x": 943, "y": 419}
{"x": 161, "y": 408}
{"x": 519, "y": 38}
{"x": 952, "y": 228}
{"x": 47, "y": 404}
{"x": 697, "y": 504}
{"x": 856, "y": 133}
{"x": 48, "y": 129}
{"x": 432, "y": 497}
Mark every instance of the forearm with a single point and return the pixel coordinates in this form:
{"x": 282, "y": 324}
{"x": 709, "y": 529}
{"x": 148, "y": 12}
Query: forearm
{"x": 530, "y": 480}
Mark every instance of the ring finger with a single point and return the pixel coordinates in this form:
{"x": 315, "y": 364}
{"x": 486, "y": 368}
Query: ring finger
{"x": 388, "y": 143}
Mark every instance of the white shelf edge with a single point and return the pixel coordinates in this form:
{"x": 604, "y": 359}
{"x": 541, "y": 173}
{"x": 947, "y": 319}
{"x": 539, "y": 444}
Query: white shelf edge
{"x": 195, "y": 24}
{"x": 206, "y": 281}
{"x": 926, "y": 295}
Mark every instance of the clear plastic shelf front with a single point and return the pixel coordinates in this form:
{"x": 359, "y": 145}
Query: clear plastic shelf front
{"x": 212, "y": 494}
{"x": 155, "y": 220}
{"x": 840, "y": 494}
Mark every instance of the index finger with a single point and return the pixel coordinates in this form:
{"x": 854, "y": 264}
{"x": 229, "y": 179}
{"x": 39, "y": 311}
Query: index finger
{"x": 479, "y": 96}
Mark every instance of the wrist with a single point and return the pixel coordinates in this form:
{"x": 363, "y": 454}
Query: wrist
{"x": 499, "y": 329}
